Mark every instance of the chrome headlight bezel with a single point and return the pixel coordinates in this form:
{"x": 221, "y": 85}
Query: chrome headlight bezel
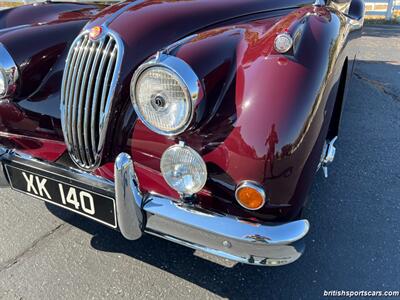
{"x": 184, "y": 75}
{"x": 10, "y": 72}
{"x": 4, "y": 80}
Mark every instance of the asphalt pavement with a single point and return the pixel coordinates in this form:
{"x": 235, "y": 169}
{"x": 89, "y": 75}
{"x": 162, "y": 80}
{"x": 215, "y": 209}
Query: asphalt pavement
{"x": 354, "y": 242}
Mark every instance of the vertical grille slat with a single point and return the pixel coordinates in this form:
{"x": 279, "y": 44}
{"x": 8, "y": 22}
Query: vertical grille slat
{"x": 88, "y": 101}
{"x": 106, "y": 84}
{"x": 67, "y": 88}
{"x": 95, "y": 109}
{"x": 87, "y": 93}
{"x": 81, "y": 106}
{"x": 78, "y": 81}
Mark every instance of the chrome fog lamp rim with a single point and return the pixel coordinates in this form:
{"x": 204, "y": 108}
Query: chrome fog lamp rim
{"x": 9, "y": 70}
{"x": 253, "y": 185}
{"x": 184, "y": 74}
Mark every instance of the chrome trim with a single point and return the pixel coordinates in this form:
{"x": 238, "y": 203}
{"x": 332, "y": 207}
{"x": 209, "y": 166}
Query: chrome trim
{"x": 182, "y": 223}
{"x": 184, "y": 73}
{"x": 88, "y": 131}
{"x": 328, "y": 155}
{"x": 226, "y": 226}
{"x": 191, "y": 226}
{"x": 319, "y": 3}
{"x": 77, "y": 150}
{"x": 224, "y": 236}
{"x": 355, "y": 24}
{"x": 9, "y": 68}
{"x": 168, "y": 49}
{"x": 88, "y": 90}
{"x": 85, "y": 103}
{"x": 254, "y": 185}
{"x": 128, "y": 198}
{"x": 339, "y": 5}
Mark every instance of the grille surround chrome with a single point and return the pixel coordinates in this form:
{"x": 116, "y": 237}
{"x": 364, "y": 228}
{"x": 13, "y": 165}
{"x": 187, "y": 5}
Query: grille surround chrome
{"x": 90, "y": 78}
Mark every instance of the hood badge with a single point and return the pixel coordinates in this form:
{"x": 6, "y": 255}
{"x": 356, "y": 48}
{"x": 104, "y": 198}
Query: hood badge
{"x": 95, "y": 32}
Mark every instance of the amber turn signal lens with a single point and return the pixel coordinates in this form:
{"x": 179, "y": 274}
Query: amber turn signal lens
{"x": 250, "y": 195}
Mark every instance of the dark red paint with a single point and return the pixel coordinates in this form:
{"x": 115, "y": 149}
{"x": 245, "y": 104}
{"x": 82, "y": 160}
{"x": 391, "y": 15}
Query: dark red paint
{"x": 43, "y": 149}
{"x": 264, "y": 116}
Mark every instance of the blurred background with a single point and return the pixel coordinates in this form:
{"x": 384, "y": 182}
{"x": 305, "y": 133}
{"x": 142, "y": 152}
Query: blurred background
{"x": 383, "y": 10}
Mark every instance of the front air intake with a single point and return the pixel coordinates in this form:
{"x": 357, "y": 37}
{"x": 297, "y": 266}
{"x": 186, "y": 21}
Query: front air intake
{"x": 88, "y": 87}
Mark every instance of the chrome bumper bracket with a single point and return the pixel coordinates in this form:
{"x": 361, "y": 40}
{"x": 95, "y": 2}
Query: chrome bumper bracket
{"x": 128, "y": 198}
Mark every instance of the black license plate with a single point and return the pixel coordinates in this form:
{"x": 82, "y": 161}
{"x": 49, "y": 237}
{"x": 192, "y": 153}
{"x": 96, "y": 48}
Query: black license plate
{"x": 81, "y": 200}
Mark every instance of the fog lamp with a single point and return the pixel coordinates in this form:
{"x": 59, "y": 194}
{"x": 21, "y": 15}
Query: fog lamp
{"x": 250, "y": 195}
{"x": 183, "y": 169}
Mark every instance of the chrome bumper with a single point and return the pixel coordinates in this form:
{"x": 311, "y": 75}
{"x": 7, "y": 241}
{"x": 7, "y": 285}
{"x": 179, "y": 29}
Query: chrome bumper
{"x": 188, "y": 225}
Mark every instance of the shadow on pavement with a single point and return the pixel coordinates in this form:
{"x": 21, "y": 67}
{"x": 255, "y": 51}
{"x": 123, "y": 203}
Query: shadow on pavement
{"x": 239, "y": 281}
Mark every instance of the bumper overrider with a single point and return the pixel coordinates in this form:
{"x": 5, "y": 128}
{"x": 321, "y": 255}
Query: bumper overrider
{"x": 179, "y": 222}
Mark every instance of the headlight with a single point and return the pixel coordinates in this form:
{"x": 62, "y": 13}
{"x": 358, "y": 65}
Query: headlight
{"x": 183, "y": 169}
{"x": 8, "y": 73}
{"x": 163, "y": 92}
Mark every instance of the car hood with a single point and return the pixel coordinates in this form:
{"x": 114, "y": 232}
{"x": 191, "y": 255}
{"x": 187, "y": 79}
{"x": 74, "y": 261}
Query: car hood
{"x": 146, "y": 26}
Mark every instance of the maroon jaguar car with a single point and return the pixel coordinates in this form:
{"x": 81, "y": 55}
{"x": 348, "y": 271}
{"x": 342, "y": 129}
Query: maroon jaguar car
{"x": 199, "y": 121}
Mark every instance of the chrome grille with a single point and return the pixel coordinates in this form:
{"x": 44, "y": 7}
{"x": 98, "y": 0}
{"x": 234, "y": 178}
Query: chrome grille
{"x": 88, "y": 87}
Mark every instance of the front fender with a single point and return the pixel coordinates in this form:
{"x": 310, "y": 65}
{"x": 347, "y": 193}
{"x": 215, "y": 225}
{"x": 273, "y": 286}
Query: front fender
{"x": 265, "y": 115}
{"x": 37, "y": 35}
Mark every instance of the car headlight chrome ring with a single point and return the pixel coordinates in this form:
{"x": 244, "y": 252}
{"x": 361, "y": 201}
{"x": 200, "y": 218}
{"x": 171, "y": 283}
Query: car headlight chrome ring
{"x": 164, "y": 92}
{"x": 8, "y": 73}
{"x": 3, "y": 83}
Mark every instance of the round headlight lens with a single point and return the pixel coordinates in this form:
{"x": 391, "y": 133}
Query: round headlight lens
{"x": 3, "y": 83}
{"x": 183, "y": 169}
{"x": 162, "y": 100}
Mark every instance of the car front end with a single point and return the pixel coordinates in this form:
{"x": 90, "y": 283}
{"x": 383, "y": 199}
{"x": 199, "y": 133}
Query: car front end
{"x": 205, "y": 129}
